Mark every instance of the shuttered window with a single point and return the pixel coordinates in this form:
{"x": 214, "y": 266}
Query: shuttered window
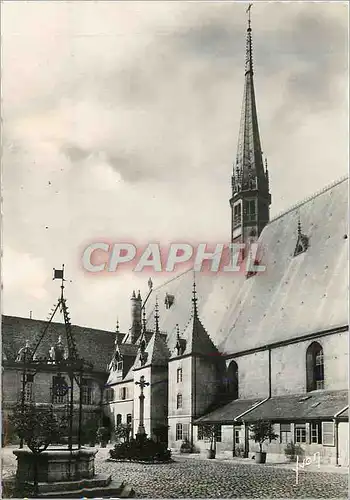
{"x": 185, "y": 431}
{"x": 328, "y": 433}
{"x": 285, "y": 433}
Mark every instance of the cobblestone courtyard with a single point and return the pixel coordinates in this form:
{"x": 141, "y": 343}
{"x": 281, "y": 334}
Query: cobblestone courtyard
{"x": 192, "y": 478}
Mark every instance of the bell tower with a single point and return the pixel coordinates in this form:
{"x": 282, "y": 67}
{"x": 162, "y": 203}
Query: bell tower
{"x": 251, "y": 198}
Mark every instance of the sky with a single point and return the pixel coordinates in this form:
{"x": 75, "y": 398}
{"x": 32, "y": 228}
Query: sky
{"x": 120, "y": 123}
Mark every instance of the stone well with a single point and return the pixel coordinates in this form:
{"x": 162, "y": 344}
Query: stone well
{"x": 56, "y": 465}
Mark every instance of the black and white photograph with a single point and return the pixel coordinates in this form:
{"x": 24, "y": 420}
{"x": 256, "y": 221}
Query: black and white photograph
{"x": 174, "y": 249}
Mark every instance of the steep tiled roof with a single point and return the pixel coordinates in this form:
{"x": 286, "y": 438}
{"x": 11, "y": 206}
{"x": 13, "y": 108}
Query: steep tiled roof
{"x": 15, "y": 331}
{"x": 157, "y": 350}
{"x": 312, "y": 405}
{"x": 228, "y": 412}
{"x": 197, "y": 339}
{"x": 241, "y": 314}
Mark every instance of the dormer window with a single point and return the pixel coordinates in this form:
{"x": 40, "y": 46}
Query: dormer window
{"x": 302, "y": 241}
{"x": 180, "y": 347}
{"x": 169, "y": 300}
{"x": 302, "y": 244}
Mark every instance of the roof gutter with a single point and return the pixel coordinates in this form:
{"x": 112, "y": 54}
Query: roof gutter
{"x": 250, "y": 409}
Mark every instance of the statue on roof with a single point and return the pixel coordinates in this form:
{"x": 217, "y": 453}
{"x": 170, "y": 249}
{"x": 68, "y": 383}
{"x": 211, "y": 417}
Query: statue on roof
{"x": 59, "y": 350}
{"x": 25, "y": 353}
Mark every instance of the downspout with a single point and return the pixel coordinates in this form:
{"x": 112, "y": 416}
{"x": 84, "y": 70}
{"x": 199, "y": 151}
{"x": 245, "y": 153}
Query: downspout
{"x": 270, "y": 372}
{"x": 194, "y": 410}
{"x": 336, "y": 422}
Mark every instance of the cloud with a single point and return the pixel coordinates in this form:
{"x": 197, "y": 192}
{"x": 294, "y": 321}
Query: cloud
{"x": 121, "y": 121}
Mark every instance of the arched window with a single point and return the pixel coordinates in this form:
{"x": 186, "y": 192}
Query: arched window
{"x": 119, "y": 419}
{"x": 232, "y": 380}
{"x": 314, "y": 367}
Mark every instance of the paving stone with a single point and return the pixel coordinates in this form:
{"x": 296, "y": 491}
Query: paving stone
{"x": 192, "y": 478}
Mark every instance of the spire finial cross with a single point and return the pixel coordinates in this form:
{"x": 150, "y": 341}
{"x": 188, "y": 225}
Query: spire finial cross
{"x": 142, "y": 383}
{"x": 248, "y": 12}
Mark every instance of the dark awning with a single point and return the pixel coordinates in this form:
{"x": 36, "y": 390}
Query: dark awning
{"x": 314, "y": 405}
{"x": 228, "y": 413}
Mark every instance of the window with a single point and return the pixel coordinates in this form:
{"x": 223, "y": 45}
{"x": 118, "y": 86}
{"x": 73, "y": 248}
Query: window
{"x": 179, "y": 401}
{"x": 300, "y": 433}
{"x": 185, "y": 431}
{"x": 314, "y": 367}
{"x": 178, "y": 432}
{"x": 59, "y": 390}
{"x": 123, "y": 393}
{"x": 218, "y": 434}
{"x": 328, "y": 433}
{"x": 109, "y": 394}
{"x": 232, "y": 380}
{"x": 237, "y": 435}
{"x": 237, "y": 215}
{"x": 285, "y": 433}
{"x": 179, "y": 375}
{"x": 315, "y": 433}
{"x": 250, "y": 210}
{"x": 200, "y": 433}
{"x": 86, "y": 392}
{"x": 129, "y": 419}
{"x": 119, "y": 419}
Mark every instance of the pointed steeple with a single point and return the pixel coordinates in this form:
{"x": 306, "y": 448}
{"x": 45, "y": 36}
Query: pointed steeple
{"x": 196, "y": 339}
{"x": 250, "y": 191}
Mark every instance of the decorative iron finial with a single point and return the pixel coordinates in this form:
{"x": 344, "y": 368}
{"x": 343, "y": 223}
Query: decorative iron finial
{"x": 248, "y": 12}
{"x": 59, "y": 274}
{"x": 249, "y": 49}
{"x": 144, "y": 320}
{"x": 139, "y": 295}
{"x": 299, "y": 226}
{"x": 133, "y": 295}
{"x": 117, "y": 327}
{"x": 156, "y": 315}
{"x": 150, "y": 284}
{"x": 177, "y": 331}
{"x": 194, "y": 297}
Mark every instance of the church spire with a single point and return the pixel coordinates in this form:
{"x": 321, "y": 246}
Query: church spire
{"x": 250, "y": 192}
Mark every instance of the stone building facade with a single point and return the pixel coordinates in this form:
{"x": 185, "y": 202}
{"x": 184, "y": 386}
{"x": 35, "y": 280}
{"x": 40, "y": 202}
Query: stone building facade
{"x": 246, "y": 346}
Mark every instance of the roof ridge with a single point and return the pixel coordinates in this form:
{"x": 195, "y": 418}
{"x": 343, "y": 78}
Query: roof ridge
{"x": 309, "y": 198}
{"x": 59, "y": 323}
